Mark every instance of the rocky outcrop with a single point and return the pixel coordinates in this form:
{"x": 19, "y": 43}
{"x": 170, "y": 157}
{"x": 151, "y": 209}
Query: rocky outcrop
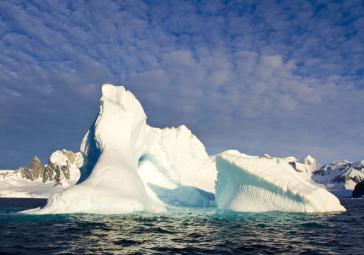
{"x": 265, "y": 156}
{"x": 33, "y": 171}
{"x": 58, "y": 168}
{"x": 311, "y": 161}
{"x": 358, "y": 190}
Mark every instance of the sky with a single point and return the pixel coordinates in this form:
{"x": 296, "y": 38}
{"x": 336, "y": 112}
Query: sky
{"x": 277, "y": 77}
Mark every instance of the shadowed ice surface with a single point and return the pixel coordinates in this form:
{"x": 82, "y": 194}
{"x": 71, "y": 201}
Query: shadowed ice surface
{"x": 181, "y": 231}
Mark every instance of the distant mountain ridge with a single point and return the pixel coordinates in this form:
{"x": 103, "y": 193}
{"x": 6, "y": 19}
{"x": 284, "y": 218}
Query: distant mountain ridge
{"x": 339, "y": 176}
{"x": 37, "y": 180}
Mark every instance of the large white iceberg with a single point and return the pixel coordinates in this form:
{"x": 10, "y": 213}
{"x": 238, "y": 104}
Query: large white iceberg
{"x": 130, "y": 166}
{"x": 253, "y": 184}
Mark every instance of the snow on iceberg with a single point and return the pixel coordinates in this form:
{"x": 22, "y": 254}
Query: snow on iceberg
{"x": 252, "y": 184}
{"x": 130, "y": 166}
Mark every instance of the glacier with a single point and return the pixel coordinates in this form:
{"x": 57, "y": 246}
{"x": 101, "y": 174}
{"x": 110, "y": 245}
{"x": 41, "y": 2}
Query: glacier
{"x": 256, "y": 184}
{"x": 129, "y": 166}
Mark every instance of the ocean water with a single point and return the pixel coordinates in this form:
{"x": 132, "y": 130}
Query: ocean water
{"x": 181, "y": 231}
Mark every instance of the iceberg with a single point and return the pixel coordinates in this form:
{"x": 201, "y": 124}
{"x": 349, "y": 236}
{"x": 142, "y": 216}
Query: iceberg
{"x": 109, "y": 181}
{"x": 130, "y": 166}
{"x": 256, "y": 184}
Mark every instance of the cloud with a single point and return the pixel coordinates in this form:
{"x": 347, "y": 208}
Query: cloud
{"x": 279, "y": 77}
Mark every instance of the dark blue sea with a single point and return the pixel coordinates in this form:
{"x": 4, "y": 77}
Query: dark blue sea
{"x": 181, "y": 231}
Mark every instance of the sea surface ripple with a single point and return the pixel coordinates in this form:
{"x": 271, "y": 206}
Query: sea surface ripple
{"x": 181, "y": 231}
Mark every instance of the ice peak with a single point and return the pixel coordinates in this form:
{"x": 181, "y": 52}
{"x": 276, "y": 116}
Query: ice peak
{"x": 121, "y": 118}
{"x": 120, "y": 96}
{"x": 109, "y": 89}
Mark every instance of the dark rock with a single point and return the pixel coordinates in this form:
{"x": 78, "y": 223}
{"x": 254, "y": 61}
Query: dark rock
{"x": 358, "y": 190}
{"x": 49, "y": 172}
{"x": 33, "y": 171}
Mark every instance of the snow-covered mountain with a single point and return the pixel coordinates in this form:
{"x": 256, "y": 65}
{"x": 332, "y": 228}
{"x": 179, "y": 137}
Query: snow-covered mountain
{"x": 36, "y": 180}
{"x": 130, "y": 166}
{"x": 340, "y": 176}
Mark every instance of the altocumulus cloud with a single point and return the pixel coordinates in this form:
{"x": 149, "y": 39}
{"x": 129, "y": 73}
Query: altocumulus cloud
{"x": 278, "y": 77}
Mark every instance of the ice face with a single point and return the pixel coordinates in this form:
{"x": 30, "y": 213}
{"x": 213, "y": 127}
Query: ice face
{"x": 249, "y": 184}
{"x": 173, "y": 187}
{"x": 181, "y": 157}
